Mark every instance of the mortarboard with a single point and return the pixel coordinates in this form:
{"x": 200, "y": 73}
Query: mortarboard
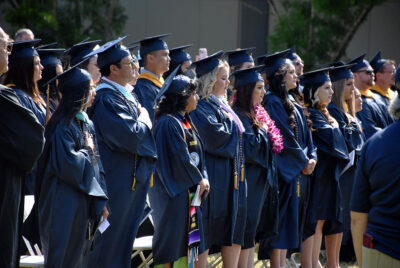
{"x": 111, "y": 52}
{"x": 178, "y": 55}
{"x": 273, "y": 61}
{"x": 292, "y": 55}
{"x": 47, "y": 46}
{"x": 239, "y": 56}
{"x": 132, "y": 49}
{"x": 360, "y": 63}
{"x": 376, "y": 62}
{"x": 167, "y": 84}
{"x": 208, "y": 64}
{"x": 153, "y": 43}
{"x": 247, "y": 76}
{"x": 22, "y": 49}
{"x": 50, "y": 56}
{"x": 71, "y": 78}
{"x": 79, "y": 51}
{"x": 312, "y": 79}
{"x": 340, "y": 71}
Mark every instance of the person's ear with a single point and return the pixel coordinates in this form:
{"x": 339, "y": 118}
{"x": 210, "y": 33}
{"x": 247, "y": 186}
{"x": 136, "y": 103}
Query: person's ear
{"x": 114, "y": 69}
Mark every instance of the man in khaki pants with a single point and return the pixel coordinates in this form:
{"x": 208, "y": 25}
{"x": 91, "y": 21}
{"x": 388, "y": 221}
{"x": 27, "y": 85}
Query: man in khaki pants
{"x": 375, "y": 200}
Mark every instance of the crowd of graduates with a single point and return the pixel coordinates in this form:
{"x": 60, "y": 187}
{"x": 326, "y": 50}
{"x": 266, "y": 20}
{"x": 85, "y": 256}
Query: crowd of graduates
{"x": 227, "y": 151}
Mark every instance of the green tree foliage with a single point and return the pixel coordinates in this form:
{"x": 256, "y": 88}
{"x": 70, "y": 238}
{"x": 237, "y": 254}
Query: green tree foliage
{"x": 320, "y": 29}
{"x": 67, "y": 21}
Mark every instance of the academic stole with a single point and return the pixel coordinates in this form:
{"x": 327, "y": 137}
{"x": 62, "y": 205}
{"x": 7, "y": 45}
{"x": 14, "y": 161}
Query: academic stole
{"x": 194, "y": 212}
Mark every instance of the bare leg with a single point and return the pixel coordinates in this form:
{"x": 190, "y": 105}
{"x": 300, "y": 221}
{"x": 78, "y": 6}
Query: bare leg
{"x": 338, "y": 246}
{"x": 167, "y": 265}
{"x": 250, "y": 262}
{"x": 230, "y": 255}
{"x": 202, "y": 262}
{"x": 243, "y": 259}
{"x": 317, "y": 243}
{"x": 275, "y": 259}
{"x": 283, "y": 257}
{"x": 307, "y": 253}
{"x": 330, "y": 243}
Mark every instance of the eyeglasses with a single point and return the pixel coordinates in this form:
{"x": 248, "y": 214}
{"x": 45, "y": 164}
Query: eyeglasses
{"x": 298, "y": 62}
{"x": 367, "y": 72}
{"x": 130, "y": 63}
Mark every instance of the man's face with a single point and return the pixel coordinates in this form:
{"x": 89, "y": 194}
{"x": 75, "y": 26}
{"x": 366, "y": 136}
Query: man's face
{"x": 125, "y": 71}
{"x": 5, "y": 51}
{"x": 387, "y": 74}
{"x": 364, "y": 78}
{"x": 161, "y": 59}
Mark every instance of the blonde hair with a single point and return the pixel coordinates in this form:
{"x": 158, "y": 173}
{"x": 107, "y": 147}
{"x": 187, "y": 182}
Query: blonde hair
{"x": 208, "y": 80}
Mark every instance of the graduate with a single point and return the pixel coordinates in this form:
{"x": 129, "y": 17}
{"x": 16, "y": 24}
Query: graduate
{"x": 155, "y": 58}
{"x": 261, "y": 141}
{"x": 52, "y": 66}
{"x": 135, "y": 67}
{"x": 342, "y": 108}
{"x": 128, "y": 153}
{"x": 221, "y": 131}
{"x": 298, "y": 153}
{"x": 178, "y": 55}
{"x": 178, "y": 224}
{"x": 21, "y": 144}
{"x": 22, "y": 76}
{"x": 325, "y": 204}
{"x": 371, "y": 114}
{"x": 70, "y": 176}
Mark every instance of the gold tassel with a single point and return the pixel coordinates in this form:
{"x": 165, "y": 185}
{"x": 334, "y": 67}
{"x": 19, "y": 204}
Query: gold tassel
{"x": 89, "y": 231}
{"x": 133, "y": 184}
{"x": 48, "y": 104}
{"x": 151, "y": 180}
{"x": 235, "y": 175}
{"x": 298, "y": 189}
{"x": 241, "y": 173}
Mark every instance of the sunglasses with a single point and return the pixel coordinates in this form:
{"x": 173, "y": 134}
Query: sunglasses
{"x": 298, "y": 62}
{"x": 368, "y": 72}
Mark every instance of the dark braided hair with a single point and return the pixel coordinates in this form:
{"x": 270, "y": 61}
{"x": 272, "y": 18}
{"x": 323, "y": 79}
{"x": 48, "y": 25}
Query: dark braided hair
{"x": 299, "y": 98}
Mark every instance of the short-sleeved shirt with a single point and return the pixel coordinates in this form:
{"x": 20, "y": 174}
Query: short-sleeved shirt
{"x": 376, "y": 189}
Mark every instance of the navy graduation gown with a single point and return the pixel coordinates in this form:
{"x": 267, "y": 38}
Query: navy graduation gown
{"x": 260, "y": 167}
{"x": 72, "y": 192}
{"x": 128, "y": 152}
{"x": 354, "y": 139}
{"x": 224, "y": 211}
{"x": 21, "y": 143}
{"x": 332, "y": 153}
{"x": 146, "y": 91}
{"x": 177, "y": 173}
{"x": 293, "y": 185}
{"x": 371, "y": 117}
{"x": 383, "y": 104}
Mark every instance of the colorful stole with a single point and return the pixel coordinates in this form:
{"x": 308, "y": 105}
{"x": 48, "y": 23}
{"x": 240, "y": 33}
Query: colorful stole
{"x": 388, "y": 94}
{"x": 366, "y": 93}
{"x": 156, "y": 81}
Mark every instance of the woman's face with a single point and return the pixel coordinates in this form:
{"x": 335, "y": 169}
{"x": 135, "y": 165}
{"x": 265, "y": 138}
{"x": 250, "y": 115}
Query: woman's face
{"x": 37, "y": 69}
{"x": 258, "y": 93}
{"x": 246, "y": 65}
{"x": 222, "y": 83}
{"x": 92, "y": 94}
{"x": 348, "y": 89}
{"x": 324, "y": 93}
{"x": 358, "y": 100}
{"x": 93, "y": 69}
{"x": 290, "y": 78}
{"x": 192, "y": 102}
{"x": 135, "y": 72}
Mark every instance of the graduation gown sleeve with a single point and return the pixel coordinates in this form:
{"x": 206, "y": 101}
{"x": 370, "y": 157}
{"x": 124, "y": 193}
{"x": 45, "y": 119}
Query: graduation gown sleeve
{"x": 176, "y": 172}
{"x": 146, "y": 92}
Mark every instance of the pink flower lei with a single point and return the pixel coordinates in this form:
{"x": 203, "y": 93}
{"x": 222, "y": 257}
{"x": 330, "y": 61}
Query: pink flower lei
{"x": 272, "y": 130}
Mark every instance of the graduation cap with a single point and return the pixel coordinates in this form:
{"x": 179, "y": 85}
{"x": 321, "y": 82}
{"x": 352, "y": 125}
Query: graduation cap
{"x": 79, "y": 51}
{"x": 239, "y": 56}
{"x": 178, "y": 55}
{"x": 166, "y": 86}
{"x": 208, "y": 64}
{"x": 273, "y": 61}
{"x": 50, "y": 56}
{"x": 360, "y": 63}
{"x": 131, "y": 49}
{"x": 71, "y": 78}
{"x": 110, "y": 52}
{"x": 47, "y": 46}
{"x": 292, "y": 55}
{"x": 153, "y": 43}
{"x": 312, "y": 79}
{"x": 340, "y": 71}
{"x": 22, "y": 49}
{"x": 247, "y": 76}
{"x": 377, "y": 62}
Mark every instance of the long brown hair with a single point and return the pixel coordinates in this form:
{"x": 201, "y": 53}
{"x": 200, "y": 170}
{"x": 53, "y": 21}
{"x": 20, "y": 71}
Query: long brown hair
{"x": 20, "y": 73}
{"x": 244, "y": 103}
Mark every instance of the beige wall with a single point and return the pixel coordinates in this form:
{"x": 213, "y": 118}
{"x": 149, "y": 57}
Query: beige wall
{"x": 205, "y": 23}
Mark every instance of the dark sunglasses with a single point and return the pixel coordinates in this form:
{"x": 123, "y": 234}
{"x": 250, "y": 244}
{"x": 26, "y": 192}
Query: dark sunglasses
{"x": 368, "y": 72}
{"x": 298, "y": 62}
